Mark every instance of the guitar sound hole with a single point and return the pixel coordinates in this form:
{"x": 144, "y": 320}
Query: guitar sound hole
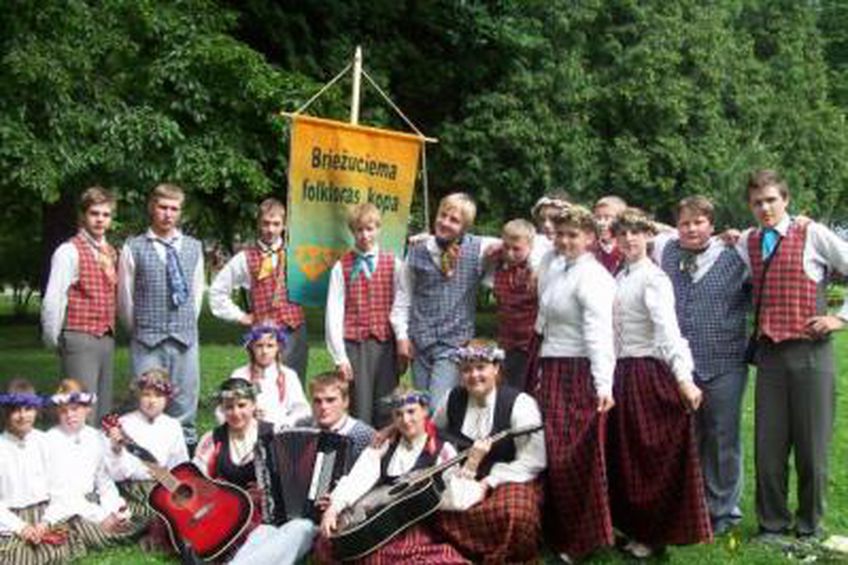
{"x": 182, "y": 494}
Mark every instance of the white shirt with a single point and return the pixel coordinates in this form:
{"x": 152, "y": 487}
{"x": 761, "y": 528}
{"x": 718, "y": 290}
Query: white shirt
{"x": 23, "y": 476}
{"x": 530, "y": 455}
{"x": 645, "y": 319}
{"x": 163, "y": 438}
{"x": 285, "y": 414}
{"x": 334, "y": 314}
{"x": 704, "y": 260}
{"x": 366, "y": 471}
{"x": 823, "y": 251}
{"x": 575, "y": 314}
{"x": 64, "y": 272}
{"x": 77, "y": 468}
{"x": 403, "y": 297}
{"x": 241, "y": 450}
{"x": 233, "y": 276}
{"x": 126, "y": 276}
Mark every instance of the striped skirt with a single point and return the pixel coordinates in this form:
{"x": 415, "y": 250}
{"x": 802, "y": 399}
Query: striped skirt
{"x": 136, "y": 493}
{"x": 505, "y": 528}
{"x": 14, "y": 550}
{"x": 656, "y": 486}
{"x": 576, "y": 516}
{"x": 93, "y": 536}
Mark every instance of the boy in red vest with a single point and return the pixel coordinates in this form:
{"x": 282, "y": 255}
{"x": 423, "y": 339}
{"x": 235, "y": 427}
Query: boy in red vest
{"x": 78, "y": 308}
{"x": 359, "y": 334}
{"x": 790, "y": 262}
{"x": 514, "y": 288}
{"x": 261, "y": 269}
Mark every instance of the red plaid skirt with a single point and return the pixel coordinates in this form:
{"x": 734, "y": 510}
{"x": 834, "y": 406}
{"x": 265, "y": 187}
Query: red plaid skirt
{"x": 532, "y": 377}
{"x": 656, "y": 486}
{"x": 577, "y": 516}
{"x": 417, "y": 544}
{"x": 505, "y": 528}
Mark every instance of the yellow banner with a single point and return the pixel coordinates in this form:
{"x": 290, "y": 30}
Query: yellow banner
{"x": 332, "y": 167}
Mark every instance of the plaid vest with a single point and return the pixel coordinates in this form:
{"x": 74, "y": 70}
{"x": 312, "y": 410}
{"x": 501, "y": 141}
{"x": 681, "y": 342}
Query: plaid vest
{"x": 368, "y": 302}
{"x": 712, "y": 312}
{"x": 611, "y": 261}
{"x": 788, "y": 295}
{"x": 443, "y": 308}
{"x": 517, "y": 305}
{"x": 269, "y": 297}
{"x": 156, "y": 319}
{"x": 91, "y": 300}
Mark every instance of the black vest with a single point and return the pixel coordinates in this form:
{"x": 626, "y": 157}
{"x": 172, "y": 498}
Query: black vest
{"x": 424, "y": 461}
{"x": 501, "y": 452}
{"x": 239, "y": 475}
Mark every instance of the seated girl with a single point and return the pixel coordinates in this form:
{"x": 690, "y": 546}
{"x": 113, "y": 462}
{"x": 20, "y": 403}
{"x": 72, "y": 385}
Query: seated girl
{"x": 152, "y": 429}
{"x": 25, "y": 536}
{"x": 229, "y": 453}
{"x": 498, "y": 492}
{"x": 79, "y": 484}
{"x": 279, "y": 399}
{"x": 416, "y": 446}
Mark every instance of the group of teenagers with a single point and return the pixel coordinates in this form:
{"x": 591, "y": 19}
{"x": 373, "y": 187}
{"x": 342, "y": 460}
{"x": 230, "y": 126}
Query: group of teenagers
{"x": 625, "y": 339}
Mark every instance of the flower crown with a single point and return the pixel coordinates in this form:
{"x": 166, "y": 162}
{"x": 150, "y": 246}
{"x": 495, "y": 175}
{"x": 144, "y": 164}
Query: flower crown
{"x": 471, "y": 353}
{"x": 84, "y": 398}
{"x": 240, "y": 388}
{"x": 25, "y": 399}
{"x": 149, "y": 381}
{"x": 256, "y": 332}
{"x": 400, "y": 400}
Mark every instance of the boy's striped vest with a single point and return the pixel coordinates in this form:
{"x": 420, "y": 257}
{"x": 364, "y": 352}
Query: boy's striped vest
{"x": 368, "y": 301}
{"x": 269, "y": 297}
{"x": 91, "y": 300}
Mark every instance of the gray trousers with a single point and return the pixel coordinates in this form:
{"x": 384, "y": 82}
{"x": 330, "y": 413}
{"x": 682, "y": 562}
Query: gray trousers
{"x": 296, "y": 352}
{"x": 795, "y": 395}
{"x": 183, "y": 364}
{"x": 720, "y": 444}
{"x": 375, "y": 376}
{"x": 89, "y": 359}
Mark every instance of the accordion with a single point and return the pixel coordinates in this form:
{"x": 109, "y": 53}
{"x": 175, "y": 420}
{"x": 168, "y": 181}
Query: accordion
{"x": 299, "y": 466}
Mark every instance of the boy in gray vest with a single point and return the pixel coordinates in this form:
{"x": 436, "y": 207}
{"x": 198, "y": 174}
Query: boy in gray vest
{"x": 711, "y": 299}
{"x": 433, "y": 314}
{"x": 160, "y": 292}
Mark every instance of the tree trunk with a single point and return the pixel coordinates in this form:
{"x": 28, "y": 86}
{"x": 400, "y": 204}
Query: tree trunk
{"x": 59, "y": 222}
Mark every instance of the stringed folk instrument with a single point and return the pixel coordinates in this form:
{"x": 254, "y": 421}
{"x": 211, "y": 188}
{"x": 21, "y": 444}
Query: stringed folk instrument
{"x": 204, "y": 516}
{"x": 387, "y": 510}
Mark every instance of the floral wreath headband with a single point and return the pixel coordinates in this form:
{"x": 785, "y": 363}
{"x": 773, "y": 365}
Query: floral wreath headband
{"x": 255, "y": 333}
{"x": 548, "y": 201}
{"x": 22, "y": 399}
{"x": 84, "y": 398}
{"x": 400, "y": 400}
{"x": 241, "y": 389}
{"x": 162, "y": 387}
{"x": 472, "y": 353}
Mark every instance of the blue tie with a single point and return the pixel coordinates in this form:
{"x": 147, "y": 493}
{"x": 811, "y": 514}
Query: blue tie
{"x": 177, "y": 286}
{"x": 769, "y": 241}
{"x": 362, "y": 264}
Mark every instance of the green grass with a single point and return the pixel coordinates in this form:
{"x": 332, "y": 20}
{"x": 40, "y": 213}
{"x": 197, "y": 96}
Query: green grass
{"x": 21, "y": 354}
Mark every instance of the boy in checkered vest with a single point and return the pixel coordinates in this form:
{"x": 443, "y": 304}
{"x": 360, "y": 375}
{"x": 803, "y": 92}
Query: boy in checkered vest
{"x": 359, "y": 334}
{"x": 78, "y": 308}
{"x": 513, "y": 285}
{"x": 606, "y": 210}
{"x": 261, "y": 269}
{"x": 790, "y": 262}
{"x": 437, "y": 302}
{"x": 160, "y": 293}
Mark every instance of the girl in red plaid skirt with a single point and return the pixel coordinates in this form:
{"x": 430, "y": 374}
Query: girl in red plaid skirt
{"x": 656, "y": 487}
{"x": 573, "y": 385}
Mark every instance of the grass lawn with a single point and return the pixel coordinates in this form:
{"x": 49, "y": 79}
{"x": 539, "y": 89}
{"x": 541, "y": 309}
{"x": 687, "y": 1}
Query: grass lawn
{"x": 21, "y": 354}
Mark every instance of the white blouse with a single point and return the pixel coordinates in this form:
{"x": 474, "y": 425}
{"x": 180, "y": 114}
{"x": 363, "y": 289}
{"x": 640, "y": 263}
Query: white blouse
{"x": 23, "y": 476}
{"x": 78, "y": 468}
{"x": 575, "y": 314}
{"x": 366, "y": 471}
{"x": 530, "y": 455}
{"x": 645, "y": 320}
{"x": 282, "y": 414}
{"x": 163, "y": 438}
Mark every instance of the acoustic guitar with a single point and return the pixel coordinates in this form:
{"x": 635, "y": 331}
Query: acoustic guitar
{"x": 387, "y": 510}
{"x": 204, "y": 516}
